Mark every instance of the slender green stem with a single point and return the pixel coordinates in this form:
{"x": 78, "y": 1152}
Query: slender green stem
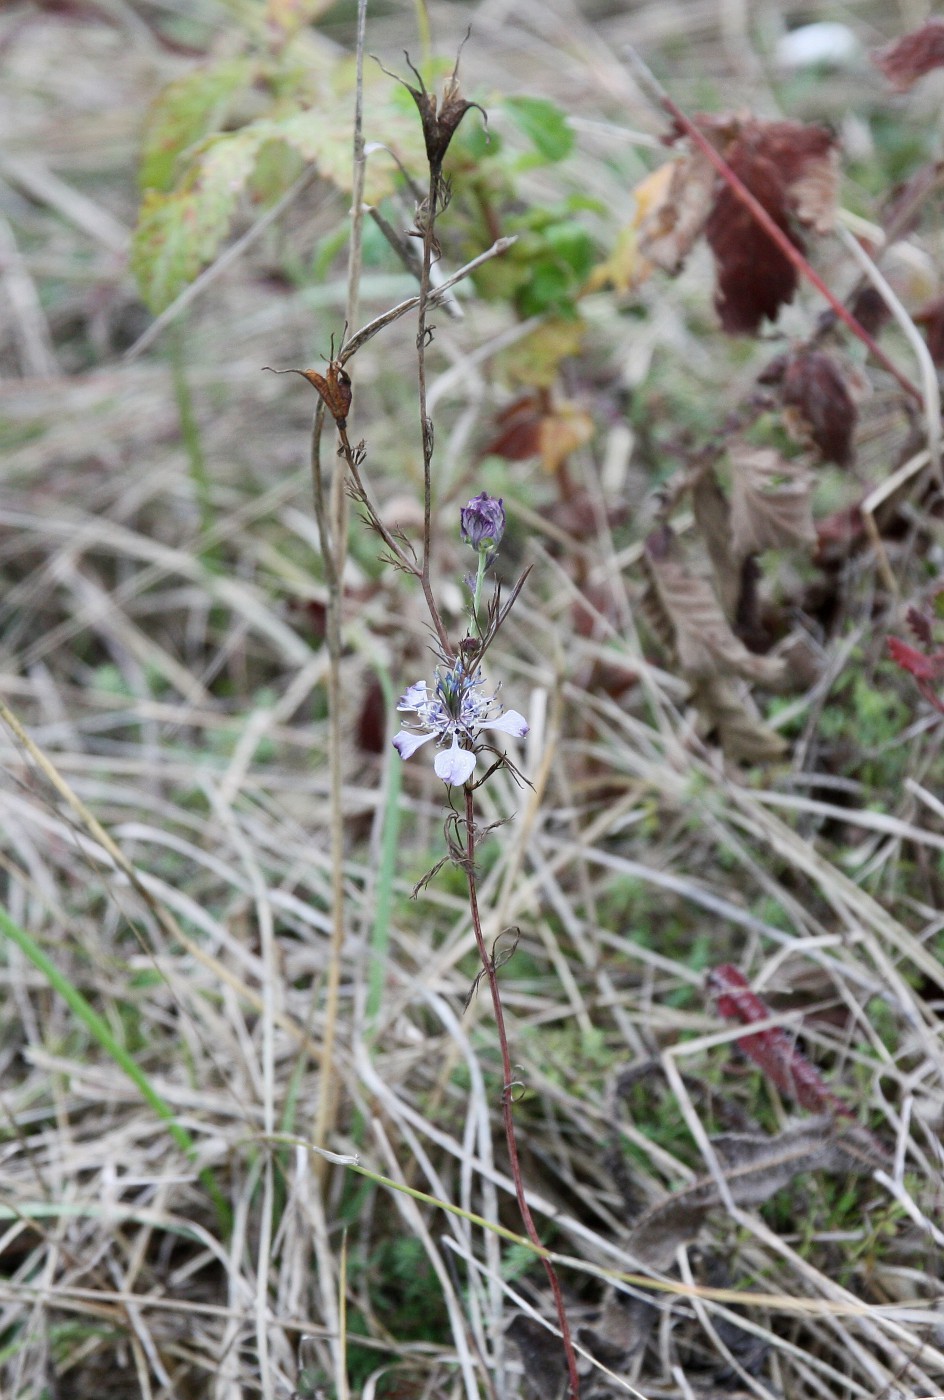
{"x": 477, "y": 596}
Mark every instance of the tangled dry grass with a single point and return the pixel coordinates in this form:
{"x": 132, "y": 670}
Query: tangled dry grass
{"x": 164, "y": 839}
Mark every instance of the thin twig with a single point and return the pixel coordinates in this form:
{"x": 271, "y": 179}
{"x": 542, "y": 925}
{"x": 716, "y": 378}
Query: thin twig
{"x": 337, "y": 546}
{"x": 436, "y": 294}
{"x": 508, "y": 1120}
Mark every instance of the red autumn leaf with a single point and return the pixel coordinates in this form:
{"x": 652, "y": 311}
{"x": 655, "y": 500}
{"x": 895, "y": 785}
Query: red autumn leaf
{"x": 917, "y": 53}
{"x": 772, "y": 1049}
{"x": 916, "y": 663}
{"x": 790, "y": 168}
{"x": 932, "y": 318}
{"x": 824, "y": 411}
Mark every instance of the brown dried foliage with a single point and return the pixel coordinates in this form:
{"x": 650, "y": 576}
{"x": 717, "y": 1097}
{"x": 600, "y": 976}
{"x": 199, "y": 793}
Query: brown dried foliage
{"x": 790, "y": 168}
{"x": 910, "y": 57}
{"x": 819, "y": 406}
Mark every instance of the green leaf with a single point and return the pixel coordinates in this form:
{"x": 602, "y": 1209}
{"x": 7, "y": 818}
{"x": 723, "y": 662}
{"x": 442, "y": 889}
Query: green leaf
{"x": 187, "y": 110}
{"x": 573, "y": 245}
{"x": 544, "y": 124}
{"x": 179, "y": 233}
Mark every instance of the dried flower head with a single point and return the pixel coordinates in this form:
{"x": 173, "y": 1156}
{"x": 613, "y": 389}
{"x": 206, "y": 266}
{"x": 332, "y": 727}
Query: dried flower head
{"x": 440, "y": 118}
{"x": 453, "y": 711}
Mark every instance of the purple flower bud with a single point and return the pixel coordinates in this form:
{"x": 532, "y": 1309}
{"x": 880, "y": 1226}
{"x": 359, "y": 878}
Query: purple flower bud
{"x": 482, "y": 524}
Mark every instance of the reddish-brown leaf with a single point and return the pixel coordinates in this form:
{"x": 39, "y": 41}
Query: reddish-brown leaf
{"x": 870, "y": 310}
{"x": 772, "y": 1049}
{"x": 754, "y": 277}
{"x": 920, "y": 626}
{"x": 519, "y": 426}
{"x": 792, "y": 170}
{"x": 823, "y": 410}
{"x": 907, "y": 60}
{"x": 532, "y": 426}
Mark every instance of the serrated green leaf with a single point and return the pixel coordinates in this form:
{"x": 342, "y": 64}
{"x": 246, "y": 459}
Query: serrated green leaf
{"x": 179, "y": 233}
{"x": 544, "y": 124}
{"x": 324, "y": 138}
{"x": 187, "y": 110}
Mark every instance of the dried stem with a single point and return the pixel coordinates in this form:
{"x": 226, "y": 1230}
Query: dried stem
{"x": 334, "y": 550}
{"x": 488, "y": 963}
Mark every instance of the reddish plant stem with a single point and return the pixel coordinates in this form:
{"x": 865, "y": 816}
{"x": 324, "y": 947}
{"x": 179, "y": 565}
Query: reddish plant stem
{"x": 774, "y": 231}
{"x": 488, "y": 964}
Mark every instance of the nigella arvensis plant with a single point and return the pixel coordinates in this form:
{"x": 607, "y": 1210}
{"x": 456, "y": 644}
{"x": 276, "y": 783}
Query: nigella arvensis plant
{"x": 455, "y": 709}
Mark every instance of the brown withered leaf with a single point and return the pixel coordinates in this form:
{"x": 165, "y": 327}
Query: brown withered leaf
{"x": 534, "y": 426}
{"x": 808, "y": 159}
{"x": 675, "y": 220}
{"x": 742, "y": 734}
{"x": 704, "y": 643}
{"x": 791, "y": 169}
{"x": 755, "y": 1167}
{"x": 870, "y": 310}
{"x": 819, "y": 407}
{"x": 713, "y": 518}
{"x": 770, "y": 501}
{"x": 910, "y": 57}
{"x": 754, "y": 277}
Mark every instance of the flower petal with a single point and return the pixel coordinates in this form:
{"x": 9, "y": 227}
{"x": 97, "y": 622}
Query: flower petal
{"x": 413, "y": 697}
{"x": 509, "y": 723}
{"x": 455, "y": 766}
{"x": 407, "y": 742}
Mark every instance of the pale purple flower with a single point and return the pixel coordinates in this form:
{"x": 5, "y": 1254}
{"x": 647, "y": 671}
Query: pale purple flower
{"x": 482, "y": 524}
{"x": 453, "y": 712}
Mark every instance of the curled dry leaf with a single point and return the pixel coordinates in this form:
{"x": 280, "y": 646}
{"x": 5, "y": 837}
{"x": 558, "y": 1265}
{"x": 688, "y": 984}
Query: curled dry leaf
{"x": 673, "y": 222}
{"x": 792, "y": 169}
{"x": 713, "y": 518}
{"x": 770, "y": 501}
{"x": 732, "y": 715}
{"x": 533, "y": 426}
{"x": 704, "y": 642}
{"x": 755, "y": 1167}
{"x": 910, "y": 57}
{"x": 819, "y": 406}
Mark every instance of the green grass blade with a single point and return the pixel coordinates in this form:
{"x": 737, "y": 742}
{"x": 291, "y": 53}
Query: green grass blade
{"x": 98, "y": 1028}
